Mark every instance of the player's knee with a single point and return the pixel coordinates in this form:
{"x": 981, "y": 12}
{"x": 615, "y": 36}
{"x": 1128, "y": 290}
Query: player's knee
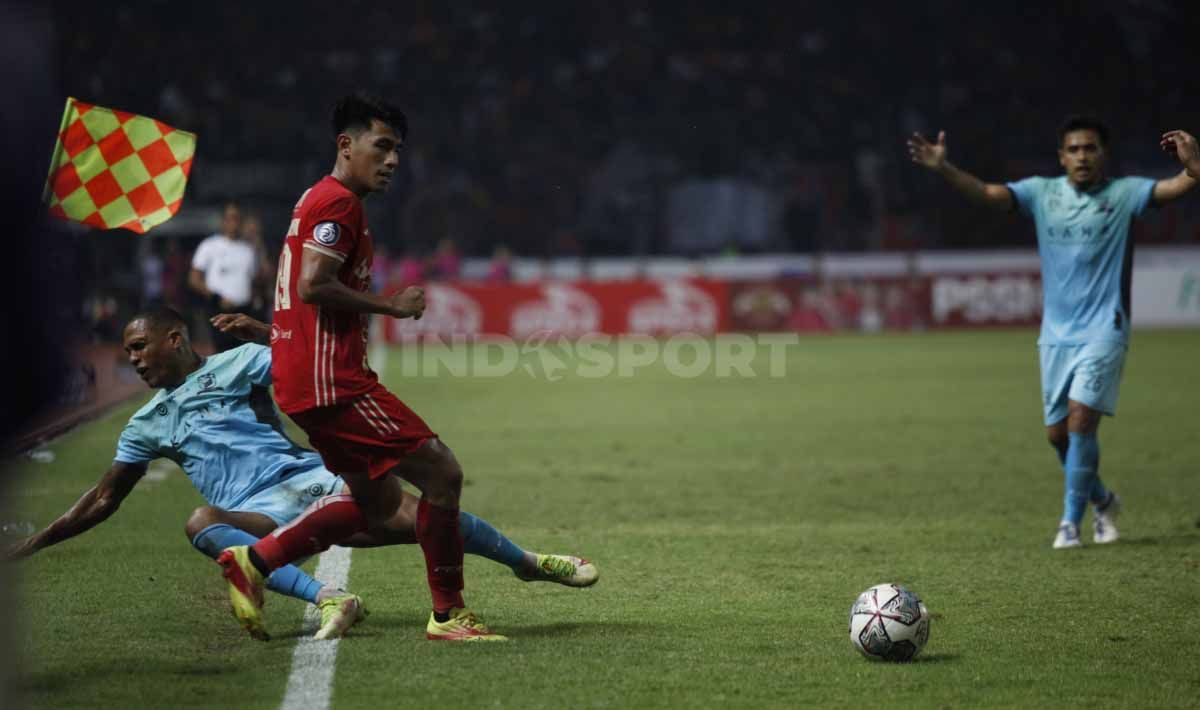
{"x": 1058, "y": 439}
{"x": 447, "y": 478}
{"x": 447, "y": 475}
{"x": 201, "y": 518}
{"x": 451, "y": 477}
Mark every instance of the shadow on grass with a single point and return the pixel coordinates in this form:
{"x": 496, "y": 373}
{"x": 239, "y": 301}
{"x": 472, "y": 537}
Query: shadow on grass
{"x": 575, "y": 628}
{"x": 293, "y": 634}
{"x": 393, "y": 624}
{"x": 1178, "y": 540}
{"x": 937, "y": 658}
{"x": 50, "y": 681}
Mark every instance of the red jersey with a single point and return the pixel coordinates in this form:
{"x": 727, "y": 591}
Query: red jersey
{"x": 319, "y": 355}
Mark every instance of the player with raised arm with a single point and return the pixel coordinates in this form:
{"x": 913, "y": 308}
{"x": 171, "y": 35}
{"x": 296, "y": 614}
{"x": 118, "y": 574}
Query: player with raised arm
{"x": 1082, "y": 220}
{"x": 214, "y": 417}
{"x": 363, "y": 432}
{"x": 1182, "y": 145}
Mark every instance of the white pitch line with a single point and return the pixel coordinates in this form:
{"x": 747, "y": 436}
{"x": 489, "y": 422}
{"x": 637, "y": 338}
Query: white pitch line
{"x": 310, "y": 684}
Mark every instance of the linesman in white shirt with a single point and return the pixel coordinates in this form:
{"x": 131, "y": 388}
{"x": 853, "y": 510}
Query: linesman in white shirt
{"x": 223, "y": 271}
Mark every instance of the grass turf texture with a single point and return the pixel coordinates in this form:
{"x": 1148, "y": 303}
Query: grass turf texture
{"x": 734, "y": 522}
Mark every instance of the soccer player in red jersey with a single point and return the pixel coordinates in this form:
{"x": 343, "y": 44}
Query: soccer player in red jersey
{"x": 322, "y": 381}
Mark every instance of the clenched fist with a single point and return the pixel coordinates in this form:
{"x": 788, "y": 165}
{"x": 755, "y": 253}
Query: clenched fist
{"x": 409, "y": 303}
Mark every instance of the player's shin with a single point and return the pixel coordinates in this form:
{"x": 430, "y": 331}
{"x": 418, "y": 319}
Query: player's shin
{"x": 482, "y": 539}
{"x": 440, "y": 540}
{"x": 326, "y": 522}
{"x": 1083, "y": 460}
{"x": 288, "y": 580}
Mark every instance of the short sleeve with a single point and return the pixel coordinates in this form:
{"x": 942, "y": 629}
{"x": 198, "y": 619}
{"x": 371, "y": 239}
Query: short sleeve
{"x": 258, "y": 366}
{"x": 133, "y": 448}
{"x": 331, "y": 228}
{"x": 1025, "y": 193}
{"x": 202, "y": 259}
{"x": 1141, "y": 193}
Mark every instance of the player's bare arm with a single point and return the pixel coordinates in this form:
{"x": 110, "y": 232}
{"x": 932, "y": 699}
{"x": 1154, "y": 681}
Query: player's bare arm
{"x": 196, "y": 282}
{"x": 242, "y": 327}
{"x": 932, "y": 156}
{"x": 92, "y": 508}
{"x": 1183, "y": 146}
{"x": 318, "y": 284}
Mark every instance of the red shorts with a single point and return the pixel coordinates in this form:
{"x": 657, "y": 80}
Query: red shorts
{"x": 371, "y": 433}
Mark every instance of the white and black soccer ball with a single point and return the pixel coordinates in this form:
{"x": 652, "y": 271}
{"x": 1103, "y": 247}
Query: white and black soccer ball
{"x": 890, "y": 623}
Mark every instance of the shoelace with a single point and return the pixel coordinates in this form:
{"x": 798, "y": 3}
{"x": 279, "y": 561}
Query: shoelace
{"x": 558, "y": 567}
{"x": 471, "y": 621}
{"x": 329, "y": 608}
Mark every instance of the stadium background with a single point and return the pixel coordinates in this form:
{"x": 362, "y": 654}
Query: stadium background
{"x": 760, "y": 145}
{"x": 591, "y": 130}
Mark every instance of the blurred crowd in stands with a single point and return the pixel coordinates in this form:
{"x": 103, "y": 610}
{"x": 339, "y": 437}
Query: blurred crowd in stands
{"x": 637, "y": 128}
{"x": 567, "y": 128}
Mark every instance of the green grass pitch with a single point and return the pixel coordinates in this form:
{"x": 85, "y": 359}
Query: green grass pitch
{"x": 734, "y": 520}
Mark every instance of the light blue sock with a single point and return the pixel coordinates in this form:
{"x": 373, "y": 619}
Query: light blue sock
{"x": 1083, "y": 462}
{"x": 1098, "y": 494}
{"x": 288, "y": 580}
{"x": 480, "y": 538}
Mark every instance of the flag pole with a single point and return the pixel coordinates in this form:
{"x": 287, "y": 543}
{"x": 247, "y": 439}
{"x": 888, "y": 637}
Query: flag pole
{"x": 58, "y": 148}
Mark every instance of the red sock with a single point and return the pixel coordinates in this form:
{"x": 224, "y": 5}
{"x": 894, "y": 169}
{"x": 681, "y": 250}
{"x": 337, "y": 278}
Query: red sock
{"x": 326, "y": 522}
{"x": 441, "y": 541}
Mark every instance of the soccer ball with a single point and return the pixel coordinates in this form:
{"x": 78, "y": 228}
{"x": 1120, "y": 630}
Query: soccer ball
{"x": 889, "y": 623}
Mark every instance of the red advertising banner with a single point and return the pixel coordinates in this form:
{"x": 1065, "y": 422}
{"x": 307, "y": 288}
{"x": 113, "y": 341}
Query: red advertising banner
{"x": 887, "y": 303}
{"x": 834, "y": 304}
{"x": 706, "y": 306}
{"x": 987, "y": 299}
{"x": 568, "y": 308}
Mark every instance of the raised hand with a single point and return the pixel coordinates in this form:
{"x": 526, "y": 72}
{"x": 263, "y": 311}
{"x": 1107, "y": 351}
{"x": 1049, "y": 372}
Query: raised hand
{"x": 409, "y": 303}
{"x": 924, "y": 153}
{"x": 1183, "y": 146}
{"x": 240, "y": 326}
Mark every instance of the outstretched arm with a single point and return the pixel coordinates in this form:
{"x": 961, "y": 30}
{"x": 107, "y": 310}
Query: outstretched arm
{"x": 90, "y": 510}
{"x": 933, "y": 157}
{"x": 242, "y": 327}
{"x": 1182, "y": 145}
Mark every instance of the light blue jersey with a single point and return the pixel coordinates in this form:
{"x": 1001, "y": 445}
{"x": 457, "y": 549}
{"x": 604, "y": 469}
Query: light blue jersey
{"x": 222, "y": 428}
{"x": 1087, "y": 254}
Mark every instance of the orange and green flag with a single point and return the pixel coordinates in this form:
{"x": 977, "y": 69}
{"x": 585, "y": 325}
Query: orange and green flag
{"x": 115, "y": 169}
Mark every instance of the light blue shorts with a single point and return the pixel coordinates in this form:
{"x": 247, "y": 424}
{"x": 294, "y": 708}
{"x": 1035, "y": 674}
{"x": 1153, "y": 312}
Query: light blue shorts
{"x": 285, "y": 501}
{"x": 1089, "y": 374}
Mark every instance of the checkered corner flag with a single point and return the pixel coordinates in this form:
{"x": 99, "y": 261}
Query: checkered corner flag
{"x": 115, "y": 169}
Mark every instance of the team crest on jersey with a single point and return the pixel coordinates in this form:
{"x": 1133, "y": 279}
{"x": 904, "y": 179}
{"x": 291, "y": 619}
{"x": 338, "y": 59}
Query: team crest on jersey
{"x": 327, "y": 233}
{"x": 161, "y": 410}
{"x": 207, "y": 381}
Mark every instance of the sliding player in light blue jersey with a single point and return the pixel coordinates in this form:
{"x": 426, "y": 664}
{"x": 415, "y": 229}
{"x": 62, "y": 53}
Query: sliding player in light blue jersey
{"x": 1082, "y": 220}
{"x": 215, "y": 418}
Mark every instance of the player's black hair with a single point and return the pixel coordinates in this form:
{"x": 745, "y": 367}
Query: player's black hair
{"x": 161, "y": 319}
{"x": 1083, "y": 122}
{"x": 353, "y": 113}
